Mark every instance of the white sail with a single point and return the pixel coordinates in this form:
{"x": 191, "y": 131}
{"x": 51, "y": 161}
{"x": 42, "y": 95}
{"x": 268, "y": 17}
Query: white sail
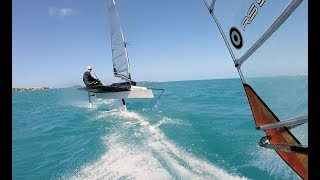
{"x": 120, "y": 60}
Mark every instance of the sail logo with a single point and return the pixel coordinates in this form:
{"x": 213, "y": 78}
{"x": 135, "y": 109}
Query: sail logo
{"x": 252, "y": 13}
{"x": 236, "y": 38}
{"x": 235, "y": 35}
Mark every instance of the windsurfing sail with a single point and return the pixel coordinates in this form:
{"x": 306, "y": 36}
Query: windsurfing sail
{"x": 269, "y": 51}
{"x": 120, "y": 59}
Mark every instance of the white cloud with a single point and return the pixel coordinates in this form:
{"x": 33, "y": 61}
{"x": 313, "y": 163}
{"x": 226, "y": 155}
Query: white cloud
{"x": 53, "y": 11}
{"x": 65, "y": 12}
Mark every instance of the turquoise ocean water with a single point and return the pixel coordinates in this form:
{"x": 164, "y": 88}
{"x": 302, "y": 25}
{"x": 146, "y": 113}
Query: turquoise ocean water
{"x": 200, "y": 129}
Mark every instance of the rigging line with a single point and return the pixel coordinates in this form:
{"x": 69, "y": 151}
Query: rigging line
{"x": 95, "y": 75}
{"x": 162, "y": 90}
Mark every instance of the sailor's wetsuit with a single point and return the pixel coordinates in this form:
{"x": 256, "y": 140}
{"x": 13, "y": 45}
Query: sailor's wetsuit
{"x": 89, "y": 80}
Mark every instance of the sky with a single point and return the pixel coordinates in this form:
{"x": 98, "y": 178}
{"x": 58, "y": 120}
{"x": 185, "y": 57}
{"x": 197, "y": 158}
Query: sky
{"x": 54, "y": 41}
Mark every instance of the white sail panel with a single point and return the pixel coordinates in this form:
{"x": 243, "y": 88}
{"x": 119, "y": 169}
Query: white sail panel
{"x": 118, "y": 45}
{"x": 246, "y": 24}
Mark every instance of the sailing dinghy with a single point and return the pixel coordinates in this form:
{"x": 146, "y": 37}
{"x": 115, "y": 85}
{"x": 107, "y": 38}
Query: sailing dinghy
{"x": 121, "y": 67}
{"x": 245, "y": 26}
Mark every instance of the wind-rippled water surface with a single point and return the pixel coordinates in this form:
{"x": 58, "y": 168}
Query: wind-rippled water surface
{"x": 198, "y": 130}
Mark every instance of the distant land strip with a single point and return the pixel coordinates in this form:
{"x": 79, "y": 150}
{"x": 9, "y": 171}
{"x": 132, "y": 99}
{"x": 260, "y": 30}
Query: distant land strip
{"x": 30, "y": 89}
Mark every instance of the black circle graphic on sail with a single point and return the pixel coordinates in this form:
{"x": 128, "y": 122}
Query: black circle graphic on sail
{"x": 236, "y": 38}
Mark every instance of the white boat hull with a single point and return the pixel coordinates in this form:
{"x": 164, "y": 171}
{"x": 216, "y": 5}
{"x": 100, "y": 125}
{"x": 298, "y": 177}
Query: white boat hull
{"x": 136, "y": 92}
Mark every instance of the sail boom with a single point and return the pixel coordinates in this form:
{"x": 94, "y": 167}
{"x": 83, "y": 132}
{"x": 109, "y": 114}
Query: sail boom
{"x": 288, "y": 123}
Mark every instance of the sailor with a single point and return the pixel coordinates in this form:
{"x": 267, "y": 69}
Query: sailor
{"x": 89, "y": 80}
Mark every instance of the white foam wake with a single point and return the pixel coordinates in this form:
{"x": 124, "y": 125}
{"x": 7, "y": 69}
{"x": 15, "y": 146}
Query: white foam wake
{"x": 268, "y": 160}
{"x": 166, "y": 120}
{"x": 124, "y": 162}
{"x": 154, "y": 158}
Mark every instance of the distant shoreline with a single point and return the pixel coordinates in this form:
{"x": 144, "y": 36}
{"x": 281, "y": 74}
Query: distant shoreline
{"x": 31, "y": 89}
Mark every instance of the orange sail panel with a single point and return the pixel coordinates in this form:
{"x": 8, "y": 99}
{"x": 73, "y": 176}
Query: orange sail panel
{"x": 263, "y": 115}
